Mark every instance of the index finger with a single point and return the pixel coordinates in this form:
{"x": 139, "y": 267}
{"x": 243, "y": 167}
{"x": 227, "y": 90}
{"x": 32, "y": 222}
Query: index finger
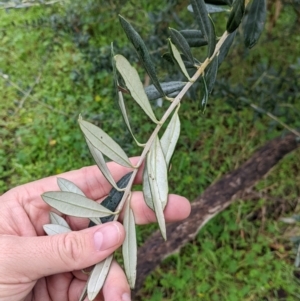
{"x": 89, "y": 179}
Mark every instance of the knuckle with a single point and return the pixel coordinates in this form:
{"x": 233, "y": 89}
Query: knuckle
{"x": 71, "y": 248}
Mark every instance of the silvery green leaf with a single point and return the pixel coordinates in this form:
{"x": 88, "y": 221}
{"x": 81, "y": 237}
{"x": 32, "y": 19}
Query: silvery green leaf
{"x": 211, "y": 9}
{"x": 211, "y": 74}
{"x": 95, "y": 220}
{"x": 205, "y": 95}
{"x": 66, "y": 185}
{"x": 125, "y": 117}
{"x": 200, "y": 12}
{"x": 225, "y": 47}
{"x": 58, "y": 220}
{"x": 255, "y": 22}
{"x": 99, "y": 159}
{"x": 146, "y": 187}
{"x": 142, "y": 52}
{"x": 158, "y": 179}
{"x": 236, "y": 15}
{"x": 134, "y": 84}
{"x": 129, "y": 247}
{"x": 104, "y": 143}
{"x": 169, "y": 138}
{"x": 53, "y": 229}
{"x": 181, "y": 43}
{"x": 168, "y": 87}
{"x": 177, "y": 58}
{"x": 97, "y": 277}
{"x": 74, "y": 204}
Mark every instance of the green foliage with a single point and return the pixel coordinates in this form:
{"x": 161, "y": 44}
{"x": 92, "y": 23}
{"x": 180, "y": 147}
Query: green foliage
{"x": 39, "y": 135}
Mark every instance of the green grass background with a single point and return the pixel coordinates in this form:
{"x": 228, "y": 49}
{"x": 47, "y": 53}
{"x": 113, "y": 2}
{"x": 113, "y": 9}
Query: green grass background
{"x": 234, "y": 257}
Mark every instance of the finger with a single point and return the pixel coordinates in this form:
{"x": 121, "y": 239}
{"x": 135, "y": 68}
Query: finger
{"x": 178, "y": 208}
{"x": 25, "y": 259}
{"x": 89, "y": 179}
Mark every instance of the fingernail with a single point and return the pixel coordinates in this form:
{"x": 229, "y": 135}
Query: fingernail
{"x": 107, "y": 237}
{"x": 126, "y": 297}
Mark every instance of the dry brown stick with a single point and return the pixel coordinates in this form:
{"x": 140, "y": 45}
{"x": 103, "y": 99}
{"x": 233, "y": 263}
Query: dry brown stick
{"x": 215, "y": 199}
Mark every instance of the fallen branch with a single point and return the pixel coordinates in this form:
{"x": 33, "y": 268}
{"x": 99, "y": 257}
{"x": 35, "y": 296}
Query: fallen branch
{"x": 215, "y": 199}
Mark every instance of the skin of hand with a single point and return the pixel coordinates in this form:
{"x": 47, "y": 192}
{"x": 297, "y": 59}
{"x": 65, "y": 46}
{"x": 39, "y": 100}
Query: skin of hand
{"x": 34, "y": 266}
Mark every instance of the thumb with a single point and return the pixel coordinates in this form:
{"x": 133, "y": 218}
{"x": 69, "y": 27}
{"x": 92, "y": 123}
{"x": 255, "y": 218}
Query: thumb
{"x": 31, "y": 258}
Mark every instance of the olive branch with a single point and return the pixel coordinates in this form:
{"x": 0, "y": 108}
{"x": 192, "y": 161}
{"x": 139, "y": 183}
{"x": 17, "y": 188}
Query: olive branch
{"x": 157, "y": 151}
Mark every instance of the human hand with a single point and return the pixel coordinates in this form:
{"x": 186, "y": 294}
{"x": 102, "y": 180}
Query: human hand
{"x": 38, "y": 267}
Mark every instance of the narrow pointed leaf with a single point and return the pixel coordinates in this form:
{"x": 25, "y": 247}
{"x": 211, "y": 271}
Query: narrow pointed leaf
{"x": 200, "y": 12}
{"x": 158, "y": 179}
{"x": 94, "y": 221}
{"x": 53, "y": 229}
{"x": 66, "y": 185}
{"x": 125, "y": 117}
{"x": 58, "y": 220}
{"x": 169, "y": 138}
{"x": 177, "y": 58}
{"x": 97, "y": 277}
{"x": 114, "y": 197}
{"x": 100, "y": 161}
{"x": 225, "y": 47}
{"x": 181, "y": 43}
{"x": 211, "y": 74}
{"x": 134, "y": 84}
{"x": 205, "y": 95}
{"x": 236, "y": 15}
{"x": 74, "y": 204}
{"x": 148, "y": 197}
{"x": 129, "y": 247}
{"x": 104, "y": 143}
{"x": 168, "y": 87}
{"x": 194, "y": 37}
{"x": 211, "y": 9}
{"x": 211, "y": 39}
{"x": 254, "y": 25}
{"x": 142, "y": 52}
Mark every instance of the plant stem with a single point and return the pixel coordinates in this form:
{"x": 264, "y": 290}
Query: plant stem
{"x": 171, "y": 108}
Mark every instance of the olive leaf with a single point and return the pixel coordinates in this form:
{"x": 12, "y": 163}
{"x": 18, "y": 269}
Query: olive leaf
{"x": 115, "y": 196}
{"x": 211, "y": 39}
{"x": 129, "y": 247}
{"x": 58, "y": 220}
{"x": 211, "y": 74}
{"x": 97, "y": 277}
{"x": 142, "y": 52}
{"x": 254, "y": 25}
{"x": 205, "y": 94}
{"x": 104, "y": 143}
{"x": 181, "y": 43}
{"x": 194, "y": 37}
{"x": 134, "y": 84}
{"x": 158, "y": 179}
{"x": 125, "y": 117}
{"x": 146, "y": 187}
{"x": 236, "y": 15}
{"x": 177, "y": 58}
{"x": 53, "y": 229}
{"x": 100, "y": 161}
{"x": 168, "y": 87}
{"x": 66, "y": 185}
{"x": 169, "y": 139}
{"x": 74, "y": 204}
{"x": 201, "y": 15}
{"x": 225, "y": 47}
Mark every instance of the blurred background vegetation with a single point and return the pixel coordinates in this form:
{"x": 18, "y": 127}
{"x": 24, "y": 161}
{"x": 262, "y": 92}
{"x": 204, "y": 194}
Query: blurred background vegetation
{"x": 55, "y": 64}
